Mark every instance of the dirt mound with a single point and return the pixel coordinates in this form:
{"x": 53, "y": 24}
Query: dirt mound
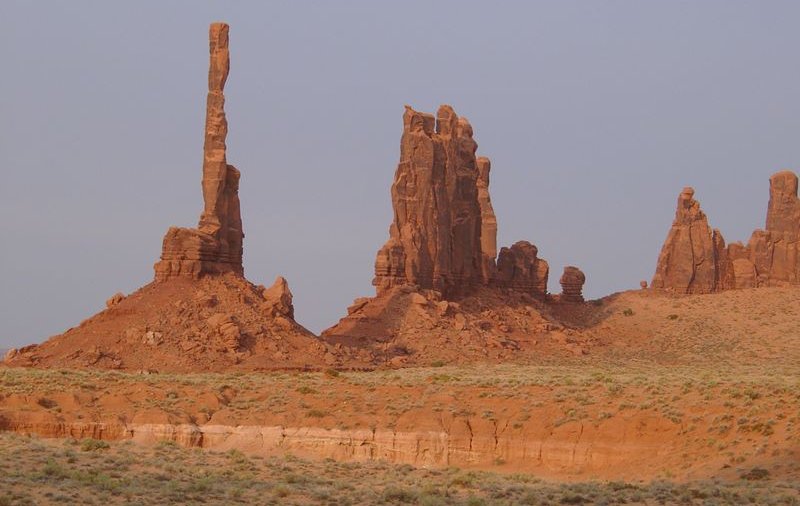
{"x": 417, "y": 327}
{"x": 212, "y": 324}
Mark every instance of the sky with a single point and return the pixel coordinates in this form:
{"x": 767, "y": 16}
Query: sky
{"x": 594, "y": 114}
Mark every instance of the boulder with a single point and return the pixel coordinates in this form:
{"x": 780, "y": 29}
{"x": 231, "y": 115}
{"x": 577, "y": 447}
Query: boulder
{"x": 572, "y": 281}
{"x": 115, "y": 299}
{"x": 519, "y": 268}
{"x": 279, "y": 298}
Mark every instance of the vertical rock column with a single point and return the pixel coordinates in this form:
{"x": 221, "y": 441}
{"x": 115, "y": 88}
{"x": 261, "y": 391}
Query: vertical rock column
{"x": 216, "y": 245}
{"x": 690, "y": 257}
{"x": 488, "y": 222}
{"x": 435, "y": 237}
{"x": 775, "y": 252}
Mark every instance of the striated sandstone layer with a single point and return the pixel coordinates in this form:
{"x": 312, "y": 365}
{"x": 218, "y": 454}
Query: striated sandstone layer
{"x": 695, "y": 259}
{"x": 216, "y": 245}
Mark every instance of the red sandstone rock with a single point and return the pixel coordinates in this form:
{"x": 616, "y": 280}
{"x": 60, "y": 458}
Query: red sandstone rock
{"x": 519, "y": 268}
{"x": 572, "y": 281}
{"x": 775, "y": 252}
{"x": 488, "y": 222}
{"x": 115, "y": 299}
{"x": 688, "y": 262}
{"x": 278, "y": 298}
{"x": 216, "y": 245}
{"x": 435, "y": 239}
{"x": 694, "y": 260}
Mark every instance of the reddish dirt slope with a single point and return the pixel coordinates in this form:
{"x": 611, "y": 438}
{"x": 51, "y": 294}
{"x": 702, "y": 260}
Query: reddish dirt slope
{"x": 213, "y": 324}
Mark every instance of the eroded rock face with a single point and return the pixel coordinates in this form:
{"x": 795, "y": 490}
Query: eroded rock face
{"x": 488, "y": 222}
{"x": 689, "y": 259}
{"x": 519, "y": 268}
{"x": 435, "y": 239}
{"x": 775, "y": 252}
{"x": 216, "y": 245}
{"x": 444, "y": 233}
{"x": 279, "y": 298}
{"x": 770, "y": 258}
{"x": 572, "y": 281}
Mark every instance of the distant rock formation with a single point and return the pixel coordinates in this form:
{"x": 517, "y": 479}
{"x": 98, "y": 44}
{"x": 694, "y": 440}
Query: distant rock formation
{"x": 689, "y": 259}
{"x": 695, "y": 259}
{"x": 572, "y": 281}
{"x": 519, "y": 268}
{"x": 435, "y": 239}
{"x": 199, "y": 314}
{"x": 444, "y": 233}
{"x": 775, "y": 252}
{"x": 216, "y": 245}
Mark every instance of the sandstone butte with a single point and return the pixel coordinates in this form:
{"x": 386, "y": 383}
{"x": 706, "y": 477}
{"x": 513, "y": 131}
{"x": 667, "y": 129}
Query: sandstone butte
{"x": 695, "y": 259}
{"x": 200, "y": 313}
{"x": 439, "y": 278}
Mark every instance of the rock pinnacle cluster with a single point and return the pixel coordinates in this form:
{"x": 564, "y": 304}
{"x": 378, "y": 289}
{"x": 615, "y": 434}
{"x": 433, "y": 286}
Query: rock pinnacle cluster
{"x": 695, "y": 259}
{"x": 444, "y": 233}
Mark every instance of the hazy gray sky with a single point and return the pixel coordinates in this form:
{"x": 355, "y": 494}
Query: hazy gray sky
{"x": 595, "y": 115}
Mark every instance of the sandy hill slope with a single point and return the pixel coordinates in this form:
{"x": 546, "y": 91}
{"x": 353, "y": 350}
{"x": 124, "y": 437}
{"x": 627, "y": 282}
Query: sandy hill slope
{"x": 212, "y": 324}
{"x": 733, "y": 327}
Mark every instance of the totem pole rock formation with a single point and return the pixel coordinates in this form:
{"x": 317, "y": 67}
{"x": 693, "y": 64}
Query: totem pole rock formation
{"x": 572, "y": 281}
{"x": 444, "y": 233}
{"x": 694, "y": 258}
{"x": 216, "y": 245}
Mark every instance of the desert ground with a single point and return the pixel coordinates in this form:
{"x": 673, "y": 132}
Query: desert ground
{"x": 689, "y": 399}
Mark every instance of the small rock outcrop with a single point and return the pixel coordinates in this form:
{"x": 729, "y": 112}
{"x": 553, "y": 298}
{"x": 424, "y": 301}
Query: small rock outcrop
{"x": 572, "y": 281}
{"x": 519, "y": 268}
{"x": 279, "y": 298}
{"x": 199, "y": 314}
{"x": 216, "y": 245}
{"x": 695, "y": 259}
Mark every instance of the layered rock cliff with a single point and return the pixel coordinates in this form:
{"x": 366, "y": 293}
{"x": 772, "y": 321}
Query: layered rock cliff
{"x": 216, "y": 245}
